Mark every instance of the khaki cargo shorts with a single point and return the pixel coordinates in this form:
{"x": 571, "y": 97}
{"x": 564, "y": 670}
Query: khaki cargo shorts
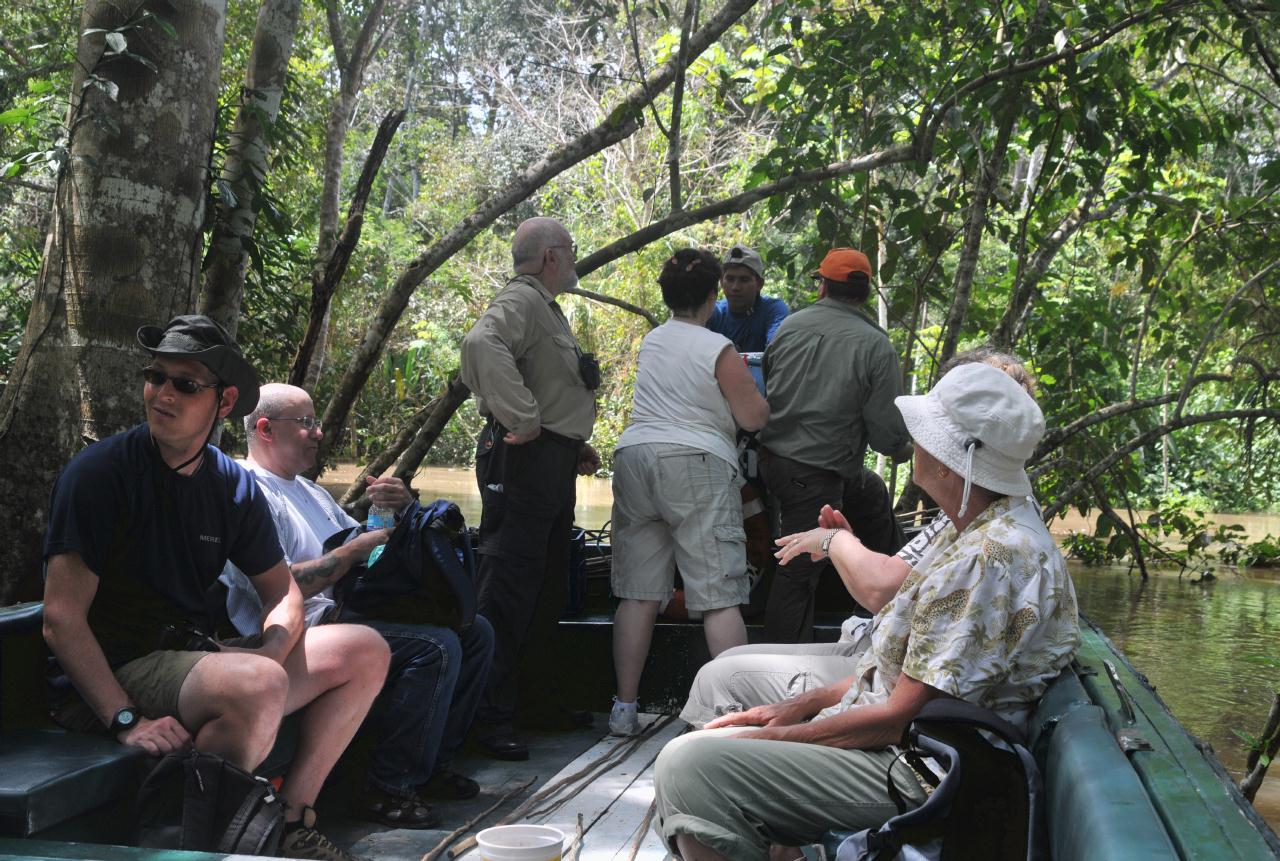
{"x": 678, "y": 506}
{"x": 153, "y": 683}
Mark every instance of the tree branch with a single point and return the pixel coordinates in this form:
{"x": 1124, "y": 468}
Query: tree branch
{"x": 738, "y": 203}
{"x": 323, "y": 289}
{"x": 1137, "y": 442}
{"x": 652, "y": 320}
{"x": 1057, "y": 436}
{"x": 620, "y": 124}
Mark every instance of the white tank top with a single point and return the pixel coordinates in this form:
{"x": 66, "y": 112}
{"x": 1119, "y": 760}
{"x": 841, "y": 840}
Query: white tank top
{"x": 677, "y": 398}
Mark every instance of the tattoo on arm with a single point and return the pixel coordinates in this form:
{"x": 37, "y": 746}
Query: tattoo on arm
{"x": 317, "y": 574}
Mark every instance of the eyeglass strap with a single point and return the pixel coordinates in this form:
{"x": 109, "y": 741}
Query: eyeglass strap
{"x": 209, "y": 436}
{"x": 970, "y": 447}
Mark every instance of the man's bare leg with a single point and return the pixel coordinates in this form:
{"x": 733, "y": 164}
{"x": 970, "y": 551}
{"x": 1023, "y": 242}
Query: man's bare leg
{"x": 335, "y": 672}
{"x": 232, "y": 704}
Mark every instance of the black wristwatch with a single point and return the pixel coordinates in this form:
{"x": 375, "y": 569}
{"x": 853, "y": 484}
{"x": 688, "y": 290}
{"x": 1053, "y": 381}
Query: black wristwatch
{"x": 125, "y": 718}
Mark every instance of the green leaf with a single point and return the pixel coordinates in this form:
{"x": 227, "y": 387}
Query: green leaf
{"x": 116, "y": 43}
{"x": 15, "y": 116}
{"x": 138, "y": 58}
{"x": 164, "y": 25}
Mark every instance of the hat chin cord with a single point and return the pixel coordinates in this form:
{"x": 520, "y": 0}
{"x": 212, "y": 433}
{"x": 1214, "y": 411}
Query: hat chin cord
{"x": 969, "y": 447}
{"x": 213, "y": 426}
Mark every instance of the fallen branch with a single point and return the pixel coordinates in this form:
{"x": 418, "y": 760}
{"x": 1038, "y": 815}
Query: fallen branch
{"x": 471, "y": 823}
{"x": 1268, "y": 744}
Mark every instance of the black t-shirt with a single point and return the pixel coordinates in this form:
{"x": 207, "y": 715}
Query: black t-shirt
{"x": 157, "y": 540}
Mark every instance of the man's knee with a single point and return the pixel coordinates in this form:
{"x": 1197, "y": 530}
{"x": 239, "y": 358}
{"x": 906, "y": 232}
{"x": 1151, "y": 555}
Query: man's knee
{"x": 233, "y": 685}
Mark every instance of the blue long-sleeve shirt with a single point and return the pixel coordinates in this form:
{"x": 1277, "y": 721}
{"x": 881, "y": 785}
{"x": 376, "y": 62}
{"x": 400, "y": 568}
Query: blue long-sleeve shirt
{"x": 750, "y": 332}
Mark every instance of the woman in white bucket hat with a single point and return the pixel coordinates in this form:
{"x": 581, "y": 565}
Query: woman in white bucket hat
{"x": 987, "y": 615}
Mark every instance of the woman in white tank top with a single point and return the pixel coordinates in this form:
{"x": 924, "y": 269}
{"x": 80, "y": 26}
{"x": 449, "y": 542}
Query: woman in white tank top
{"x": 676, "y": 495}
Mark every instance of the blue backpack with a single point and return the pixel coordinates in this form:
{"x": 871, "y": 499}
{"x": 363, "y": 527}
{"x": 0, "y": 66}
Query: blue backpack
{"x": 426, "y": 573}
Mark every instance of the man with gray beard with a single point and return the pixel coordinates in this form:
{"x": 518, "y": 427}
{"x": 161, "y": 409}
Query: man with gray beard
{"x": 536, "y": 389}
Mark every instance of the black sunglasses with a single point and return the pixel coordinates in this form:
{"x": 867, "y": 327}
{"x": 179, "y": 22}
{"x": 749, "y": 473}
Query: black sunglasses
{"x": 156, "y": 377}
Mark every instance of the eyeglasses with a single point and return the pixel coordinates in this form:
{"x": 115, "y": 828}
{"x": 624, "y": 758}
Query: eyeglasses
{"x": 156, "y": 377}
{"x": 307, "y": 423}
{"x": 572, "y": 246}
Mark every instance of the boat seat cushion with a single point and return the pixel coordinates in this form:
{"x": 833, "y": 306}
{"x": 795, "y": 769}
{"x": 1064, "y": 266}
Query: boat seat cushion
{"x": 50, "y": 776}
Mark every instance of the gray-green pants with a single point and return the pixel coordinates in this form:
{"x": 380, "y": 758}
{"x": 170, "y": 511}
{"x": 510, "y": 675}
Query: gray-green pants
{"x": 738, "y": 796}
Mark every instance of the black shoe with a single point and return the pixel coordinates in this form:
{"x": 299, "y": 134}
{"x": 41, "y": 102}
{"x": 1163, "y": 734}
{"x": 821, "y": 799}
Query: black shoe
{"x": 447, "y": 785}
{"x": 503, "y": 745}
{"x": 393, "y": 811}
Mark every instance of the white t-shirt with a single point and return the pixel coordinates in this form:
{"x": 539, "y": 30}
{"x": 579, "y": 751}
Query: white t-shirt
{"x": 305, "y": 515}
{"x": 677, "y": 398}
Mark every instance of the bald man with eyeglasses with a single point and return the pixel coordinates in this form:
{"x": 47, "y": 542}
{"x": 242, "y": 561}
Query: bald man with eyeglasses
{"x": 536, "y": 388}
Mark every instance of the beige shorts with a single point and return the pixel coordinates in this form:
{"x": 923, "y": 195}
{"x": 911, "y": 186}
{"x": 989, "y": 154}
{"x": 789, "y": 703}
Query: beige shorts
{"x": 678, "y": 506}
{"x": 153, "y": 683}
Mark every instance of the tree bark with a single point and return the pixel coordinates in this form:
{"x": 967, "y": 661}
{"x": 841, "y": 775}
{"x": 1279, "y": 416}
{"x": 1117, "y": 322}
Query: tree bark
{"x": 620, "y": 124}
{"x": 246, "y": 167}
{"x": 124, "y": 251}
{"x": 323, "y": 289}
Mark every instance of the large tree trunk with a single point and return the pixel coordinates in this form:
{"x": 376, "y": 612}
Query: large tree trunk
{"x": 620, "y": 124}
{"x": 124, "y": 251}
{"x": 246, "y": 166}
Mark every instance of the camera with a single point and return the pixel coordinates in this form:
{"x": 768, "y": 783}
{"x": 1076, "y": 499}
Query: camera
{"x": 184, "y": 638}
{"x": 589, "y": 370}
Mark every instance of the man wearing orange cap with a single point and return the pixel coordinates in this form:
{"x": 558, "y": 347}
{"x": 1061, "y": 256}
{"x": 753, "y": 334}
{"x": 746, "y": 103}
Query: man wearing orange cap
{"x": 831, "y": 375}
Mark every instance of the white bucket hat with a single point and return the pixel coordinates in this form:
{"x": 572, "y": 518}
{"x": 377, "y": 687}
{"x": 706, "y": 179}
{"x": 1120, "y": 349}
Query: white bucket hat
{"x": 980, "y": 423}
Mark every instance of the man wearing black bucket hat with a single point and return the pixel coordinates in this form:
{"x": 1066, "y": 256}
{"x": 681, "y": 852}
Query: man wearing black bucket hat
{"x": 140, "y": 526}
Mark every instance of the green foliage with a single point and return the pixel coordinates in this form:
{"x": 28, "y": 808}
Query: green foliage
{"x": 1143, "y": 166}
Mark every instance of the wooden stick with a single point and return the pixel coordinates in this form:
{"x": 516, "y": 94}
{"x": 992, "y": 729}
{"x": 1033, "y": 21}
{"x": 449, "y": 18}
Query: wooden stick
{"x": 575, "y": 848}
{"x": 593, "y": 770}
{"x": 467, "y": 826}
{"x": 644, "y": 829}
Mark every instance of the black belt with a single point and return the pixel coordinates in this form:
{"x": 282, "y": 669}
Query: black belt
{"x": 551, "y": 436}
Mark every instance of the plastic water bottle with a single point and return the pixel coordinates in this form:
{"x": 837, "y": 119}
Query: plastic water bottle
{"x": 379, "y": 518}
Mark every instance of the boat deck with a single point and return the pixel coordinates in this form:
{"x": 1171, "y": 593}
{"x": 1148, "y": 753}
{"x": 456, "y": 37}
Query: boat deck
{"x": 598, "y": 791}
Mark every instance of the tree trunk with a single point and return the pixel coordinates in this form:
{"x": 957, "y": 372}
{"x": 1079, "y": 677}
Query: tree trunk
{"x": 246, "y": 167}
{"x": 124, "y": 252}
{"x": 620, "y": 124}
{"x": 976, "y": 224}
{"x": 330, "y": 276}
{"x": 351, "y": 69}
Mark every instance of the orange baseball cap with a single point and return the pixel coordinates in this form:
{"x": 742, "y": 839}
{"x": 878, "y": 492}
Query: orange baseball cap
{"x": 840, "y": 263}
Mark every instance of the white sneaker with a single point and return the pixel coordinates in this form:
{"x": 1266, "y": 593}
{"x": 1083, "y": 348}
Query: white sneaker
{"x": 624, "y": 719}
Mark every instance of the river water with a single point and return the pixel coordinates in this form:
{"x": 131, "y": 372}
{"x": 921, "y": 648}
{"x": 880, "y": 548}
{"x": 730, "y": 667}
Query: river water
{"x": 1199, "y": 644}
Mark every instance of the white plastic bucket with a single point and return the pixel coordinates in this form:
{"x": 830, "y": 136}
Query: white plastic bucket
{"x": 521, "y": 843}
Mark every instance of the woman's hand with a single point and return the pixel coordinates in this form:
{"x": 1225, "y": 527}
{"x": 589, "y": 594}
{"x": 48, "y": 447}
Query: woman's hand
{"x": 785, "y": 713}
{"x": 803, "y": 542}
{"x": 831, "y": 518}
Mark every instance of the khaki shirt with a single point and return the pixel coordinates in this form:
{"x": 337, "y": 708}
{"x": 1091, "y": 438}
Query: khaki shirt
{"x": 520, "y": 360}
{"x": 831, "y": 376}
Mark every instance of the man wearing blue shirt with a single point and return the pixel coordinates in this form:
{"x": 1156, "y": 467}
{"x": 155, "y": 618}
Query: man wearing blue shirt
{"x": 744, "y": 316}
{"x": 140, "y": 525}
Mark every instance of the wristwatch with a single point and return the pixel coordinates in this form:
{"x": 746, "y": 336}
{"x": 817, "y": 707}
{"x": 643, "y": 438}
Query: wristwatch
{"x": 826, "y": 542}
{"x": 125, "y": 718}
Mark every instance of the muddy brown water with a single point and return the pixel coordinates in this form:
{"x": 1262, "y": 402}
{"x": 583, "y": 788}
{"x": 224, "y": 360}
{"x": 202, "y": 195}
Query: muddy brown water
{"x": 1201, "y": 645}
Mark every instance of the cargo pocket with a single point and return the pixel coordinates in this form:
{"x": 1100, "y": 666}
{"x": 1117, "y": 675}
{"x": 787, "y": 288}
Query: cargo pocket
{"x": 731, "y": 544}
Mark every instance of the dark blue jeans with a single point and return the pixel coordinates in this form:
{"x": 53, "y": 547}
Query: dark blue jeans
{"x": 426, "y": 707}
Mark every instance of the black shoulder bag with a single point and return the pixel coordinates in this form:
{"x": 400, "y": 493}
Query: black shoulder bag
{"x": 200, "y": 802}
{"x": 426, "y": 573}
